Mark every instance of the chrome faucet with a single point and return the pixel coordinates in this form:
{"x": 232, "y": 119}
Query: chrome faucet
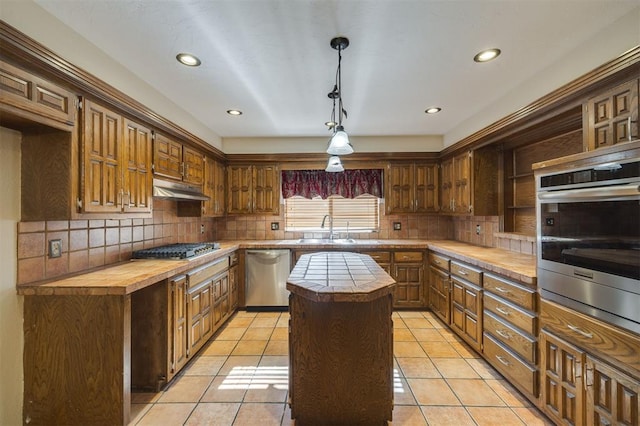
{"x": 330, "y": 225}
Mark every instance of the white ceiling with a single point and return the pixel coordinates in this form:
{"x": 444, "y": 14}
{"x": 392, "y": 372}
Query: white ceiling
{"x": 272, "y": 59}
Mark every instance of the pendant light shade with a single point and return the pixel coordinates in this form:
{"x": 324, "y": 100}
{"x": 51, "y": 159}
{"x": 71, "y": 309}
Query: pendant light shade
{"x": 339, "y": 144}
{"x": 334, "y": 165}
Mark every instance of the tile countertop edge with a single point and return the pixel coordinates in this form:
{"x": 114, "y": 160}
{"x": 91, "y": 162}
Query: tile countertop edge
{"x": 106, "y": 280}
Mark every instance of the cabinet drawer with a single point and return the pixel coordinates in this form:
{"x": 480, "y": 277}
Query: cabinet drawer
{"x": 466, "y": 272}
{"x": 511, "y": 313}
{"x": 408, "y": 256}
{"x": 207, "y": 271}
{"x": 520, "y": 343}
{"x": 525, "y": 376}
{"x": 612, "y": 344}
{"x": 438, "y": 260}
{"x": 511, "y": 291}
{"x": 379, "y": 256}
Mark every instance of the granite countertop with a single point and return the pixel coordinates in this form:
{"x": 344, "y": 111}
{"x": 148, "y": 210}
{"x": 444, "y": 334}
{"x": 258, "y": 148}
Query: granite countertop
{"x": 129, "y": 276}
{"x": 337, "y": 276}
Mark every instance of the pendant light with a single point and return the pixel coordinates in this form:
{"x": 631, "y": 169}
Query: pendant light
{"x": 339, "y": 144}
{"x": 334, "y": 165}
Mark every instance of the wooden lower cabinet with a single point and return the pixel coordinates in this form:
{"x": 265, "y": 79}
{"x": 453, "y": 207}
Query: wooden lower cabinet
{"x": 585, "y": 378}
{"x": 561, "y": 376}
{"x": 466, "y": 312}
{"x": 440, "y": 293}
{"x": 612, "y": 396}
{"x": 177, "y": 325}
{"x": 408, "y": 271}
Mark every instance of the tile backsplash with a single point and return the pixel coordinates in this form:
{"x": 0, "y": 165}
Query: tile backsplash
{"x": 91, "y": 243}
{"x": 88, "y": 244}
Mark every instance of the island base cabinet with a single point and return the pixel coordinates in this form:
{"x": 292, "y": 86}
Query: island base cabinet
{"x": 77, "y": 360}
{"x": 341, "y": 362}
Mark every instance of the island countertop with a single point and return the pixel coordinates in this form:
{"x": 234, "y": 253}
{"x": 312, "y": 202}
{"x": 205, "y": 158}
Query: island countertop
{"x": 339, "y": 277}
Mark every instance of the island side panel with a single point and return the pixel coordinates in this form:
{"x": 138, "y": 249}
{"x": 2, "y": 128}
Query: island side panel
{"x": 77, "y": 360}
{"x": 341, "y": 367}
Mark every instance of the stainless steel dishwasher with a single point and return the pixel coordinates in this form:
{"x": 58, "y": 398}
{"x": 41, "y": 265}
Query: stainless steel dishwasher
{"x": 266, "y": 278}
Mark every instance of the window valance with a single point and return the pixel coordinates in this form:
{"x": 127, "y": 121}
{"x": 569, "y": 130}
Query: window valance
{"x": 318, "y": 183}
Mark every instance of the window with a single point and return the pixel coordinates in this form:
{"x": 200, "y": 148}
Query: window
{"x": 360, "y": 214}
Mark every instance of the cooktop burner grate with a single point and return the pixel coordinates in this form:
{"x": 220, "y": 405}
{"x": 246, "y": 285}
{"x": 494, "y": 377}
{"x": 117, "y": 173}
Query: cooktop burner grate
{"x": 176, "y": 251}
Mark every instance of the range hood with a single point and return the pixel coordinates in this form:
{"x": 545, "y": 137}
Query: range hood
{"x": 177, "y": 191}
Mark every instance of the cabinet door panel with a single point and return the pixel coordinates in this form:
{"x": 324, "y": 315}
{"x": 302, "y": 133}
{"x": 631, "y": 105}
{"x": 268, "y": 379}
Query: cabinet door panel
{"x": 266, "y": 190}
{"x": 178, "y": 344}
{"x": 399, "y": 188}
{"x": 612, "y": 396}
{"x": 167, "y": 157}
{"x": 101, "y": 144}
{"x": 138, "y": 148}
{"x": 561, "y": 369}
{"x": 426, "y": 188}
{"x": 612, "y": 117}
{"x": 193, "y": 166}
{"x": 240, "y": 182}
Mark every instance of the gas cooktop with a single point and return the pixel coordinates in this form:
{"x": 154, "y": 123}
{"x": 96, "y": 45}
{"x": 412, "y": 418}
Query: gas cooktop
{"x": 176, "y": 251}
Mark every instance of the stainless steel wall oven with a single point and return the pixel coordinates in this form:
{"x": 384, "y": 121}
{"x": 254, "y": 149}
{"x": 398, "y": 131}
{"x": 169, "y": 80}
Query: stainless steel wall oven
{"x": 589, "y": 240}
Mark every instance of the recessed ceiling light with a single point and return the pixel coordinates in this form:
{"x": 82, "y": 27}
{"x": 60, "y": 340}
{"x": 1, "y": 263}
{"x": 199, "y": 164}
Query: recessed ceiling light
{"x": 234, "y": 112}
{"x": 487, "y": 55}
{"x": 188, "y": 59}
{"x": 433, "y": 110}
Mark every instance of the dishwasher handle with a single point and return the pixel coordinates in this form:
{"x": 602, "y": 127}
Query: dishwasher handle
{"x": 267, "y": 255}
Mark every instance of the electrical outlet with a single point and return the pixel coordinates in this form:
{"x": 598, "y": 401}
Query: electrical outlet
{"x": 397, "y": 226}
{"x": 478, "y": 229}
{"x": 55, "y": 248}
{"x": 549, "y": 221}
{"x": 275, "y": 226}
{"x": 202, "y": 228}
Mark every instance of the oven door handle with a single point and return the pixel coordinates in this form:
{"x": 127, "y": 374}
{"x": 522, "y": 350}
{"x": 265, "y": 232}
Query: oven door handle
{"x": 601, "y": 193}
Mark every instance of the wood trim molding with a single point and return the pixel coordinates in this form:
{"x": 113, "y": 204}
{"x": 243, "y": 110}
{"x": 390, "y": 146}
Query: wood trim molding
{"x": 31, "y": 55}
{"x": 322, "y": 158}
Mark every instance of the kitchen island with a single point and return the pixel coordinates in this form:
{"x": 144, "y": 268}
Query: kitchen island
{"x": 341, "y": 340}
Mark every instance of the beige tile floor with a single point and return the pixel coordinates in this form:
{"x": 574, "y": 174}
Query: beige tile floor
{"x": 240, "y": 378}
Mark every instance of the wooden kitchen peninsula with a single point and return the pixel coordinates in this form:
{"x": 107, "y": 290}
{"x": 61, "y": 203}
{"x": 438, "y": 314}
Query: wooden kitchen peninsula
{"x": 341, "y": 340}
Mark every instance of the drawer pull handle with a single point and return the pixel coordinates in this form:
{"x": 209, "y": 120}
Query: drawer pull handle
{"x": 502, "y": 290}
{"x": 503, "y": 360}
{"x": 437, "y": 262}
{"x": 504, "y": 334}
{"x": 503, "y": 311}
{"x": 462, "y": 273}
{"x": 579, "y": 331}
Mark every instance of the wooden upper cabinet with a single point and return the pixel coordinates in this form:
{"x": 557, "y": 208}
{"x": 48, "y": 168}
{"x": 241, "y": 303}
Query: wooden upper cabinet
{"x": 101, "y": 144}
{"x": 214, "y": 188}
{"x": 193, "y": 166}
{"x": 253, "y": 189}
{"x": 266, "y": 189}
{"x": 116, "y": 163}
{"x": 24, "y": 96}
{"x": 462, "y": 183}
{"x": 138, "y": 179}
{"x": 173, "y": 160}
{"x": 167, "y": 157}
{"x": 411, "y": 188}
{"x": 469, "y": 183}
{"x": 612, "y": 117}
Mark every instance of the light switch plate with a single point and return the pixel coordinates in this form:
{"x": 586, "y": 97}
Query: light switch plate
{"x": 275, "y": 226}
{"x": 55, "y": 248}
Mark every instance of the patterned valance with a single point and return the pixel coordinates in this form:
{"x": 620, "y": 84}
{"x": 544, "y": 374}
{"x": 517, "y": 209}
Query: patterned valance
{"x": 318, "y": 183}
